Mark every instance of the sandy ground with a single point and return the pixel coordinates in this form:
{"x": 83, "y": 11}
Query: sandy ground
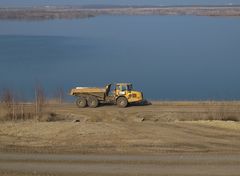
{"x": 109, "y": 140}
{"x": 161, "y": 127}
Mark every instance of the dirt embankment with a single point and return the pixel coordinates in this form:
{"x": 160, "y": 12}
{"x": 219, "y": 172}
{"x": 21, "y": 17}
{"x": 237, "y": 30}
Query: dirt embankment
{"x": 71, "y": 12}
{"x": 158, "y": 128}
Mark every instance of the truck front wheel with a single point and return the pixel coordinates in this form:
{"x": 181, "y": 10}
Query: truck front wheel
{"x": 81, "y": 102}
{"x": 92, "y": 102}
{"x": 122, "y": 102}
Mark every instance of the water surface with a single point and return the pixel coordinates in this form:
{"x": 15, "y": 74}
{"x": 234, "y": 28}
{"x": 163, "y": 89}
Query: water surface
{"x": 168, "y": 57}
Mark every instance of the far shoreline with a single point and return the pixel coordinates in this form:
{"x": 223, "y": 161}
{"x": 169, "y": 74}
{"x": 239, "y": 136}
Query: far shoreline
{"x": 78, "y": 12}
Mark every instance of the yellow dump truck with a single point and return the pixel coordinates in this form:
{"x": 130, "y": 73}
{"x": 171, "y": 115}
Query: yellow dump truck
{"x": 122, "y": 95}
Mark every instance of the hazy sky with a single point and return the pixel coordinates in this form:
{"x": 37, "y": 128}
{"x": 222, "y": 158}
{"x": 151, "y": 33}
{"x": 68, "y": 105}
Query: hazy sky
{"x": 116, "y": 2}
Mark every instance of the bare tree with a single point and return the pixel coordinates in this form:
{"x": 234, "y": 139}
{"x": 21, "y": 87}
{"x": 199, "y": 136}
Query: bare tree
{"x": 21, "y": 106}
{"x": 39, "y": 100}
{"x": 60, "y": 95}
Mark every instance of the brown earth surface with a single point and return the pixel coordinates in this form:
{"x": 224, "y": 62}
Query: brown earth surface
{"x": 166, "y": 138}
{"x": 158, "y": 128}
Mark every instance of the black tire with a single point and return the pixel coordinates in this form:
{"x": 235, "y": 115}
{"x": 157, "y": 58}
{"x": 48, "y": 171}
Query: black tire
{"x": 81, "y": 102}
{"x": 92, "y": 102}
{"x": 122, "y": 102}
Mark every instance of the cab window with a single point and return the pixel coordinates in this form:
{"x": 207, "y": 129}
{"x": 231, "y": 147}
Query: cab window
{"x": 124, "y": 88}
{"x": 117, "y": 87}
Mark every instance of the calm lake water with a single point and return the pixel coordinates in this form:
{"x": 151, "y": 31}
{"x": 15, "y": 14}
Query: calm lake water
{"x": 167, "y": 57}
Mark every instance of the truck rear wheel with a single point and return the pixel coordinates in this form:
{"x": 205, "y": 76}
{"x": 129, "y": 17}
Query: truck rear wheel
{"x": 92, "y": 102}
{"x": 81, "y": 102}
{"x": 122, "y": 102}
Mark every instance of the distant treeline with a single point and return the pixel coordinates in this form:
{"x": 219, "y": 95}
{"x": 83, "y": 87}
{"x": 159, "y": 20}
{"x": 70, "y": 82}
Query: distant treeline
{"x": 68, "y": 12}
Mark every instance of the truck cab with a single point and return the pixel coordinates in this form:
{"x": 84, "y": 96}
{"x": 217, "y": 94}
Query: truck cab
{"x": 126, "y": 91}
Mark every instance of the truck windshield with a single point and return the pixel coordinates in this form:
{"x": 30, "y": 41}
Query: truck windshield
{"x": 124, "y": 87}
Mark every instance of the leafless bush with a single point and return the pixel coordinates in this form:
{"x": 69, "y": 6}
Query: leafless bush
{"x": 225, "y": 112}
{"x": 13, "y": 105}
{"x": 8, "y": 102}
{"x": 222, "y": 111}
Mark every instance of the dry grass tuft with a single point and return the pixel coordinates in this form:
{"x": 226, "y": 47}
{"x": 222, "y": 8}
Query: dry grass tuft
{"x": 224, "y": 111}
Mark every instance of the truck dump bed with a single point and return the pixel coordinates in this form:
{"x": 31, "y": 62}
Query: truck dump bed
{"x": 87, "y": 90}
